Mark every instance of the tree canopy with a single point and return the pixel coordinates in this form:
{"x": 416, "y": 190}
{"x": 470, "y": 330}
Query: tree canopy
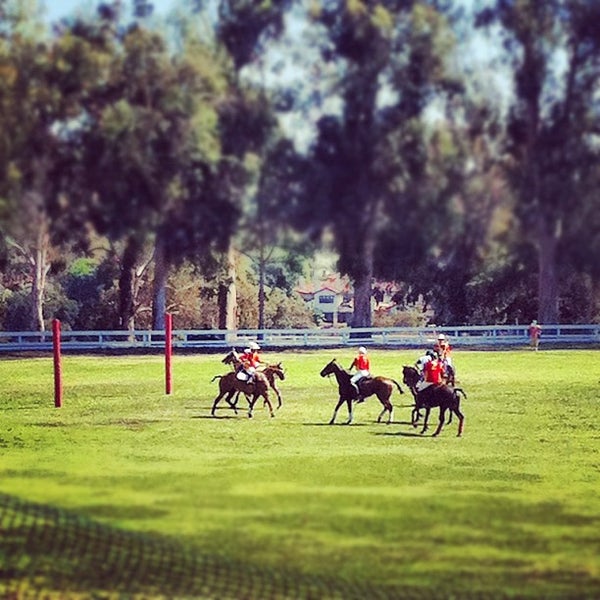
{"x": 263, "y": 127}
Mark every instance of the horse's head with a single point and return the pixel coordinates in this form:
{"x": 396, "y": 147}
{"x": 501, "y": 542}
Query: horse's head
{"x": 278, "y": 370}
{"x": 230, "y": 357}
{"x": 329, "y": 368}
{"x": 410, "y": 376}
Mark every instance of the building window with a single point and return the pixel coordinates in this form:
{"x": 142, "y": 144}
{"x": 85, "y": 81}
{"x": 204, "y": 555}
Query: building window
{"x": 326, "y": 299}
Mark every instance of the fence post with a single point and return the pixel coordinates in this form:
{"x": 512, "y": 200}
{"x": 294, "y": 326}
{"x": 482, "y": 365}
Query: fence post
{"x": 168, "y": 353}
{"x": 58, "y": 389}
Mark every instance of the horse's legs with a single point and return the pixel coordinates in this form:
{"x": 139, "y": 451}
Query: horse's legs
{"x": 237, "y": 397}
{"x": 387, "y": 407}
{"x": 461, "y": 421}
{"x": 267, "y": 402}
{"x": 233, "y": 404}
{"x": 427, "y": 411}
{"x": 350, "y": 412}
{"x": 251, "y": 403}
{"x": 278, "y": 394}
{"x": 441, "y": 421}
{"x": 216, "y": 401}
{"x": 415, "y": 416}
{"x": 337, "y": 407}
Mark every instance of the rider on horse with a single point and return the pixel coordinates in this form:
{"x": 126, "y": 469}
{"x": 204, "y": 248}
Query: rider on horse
{"x": 423, "y": 360}
{"x": 443, "y": 350}
{"x": 250, "y": 361}
{"x": 433, "y": 373}
{"x": 363, "y": 369}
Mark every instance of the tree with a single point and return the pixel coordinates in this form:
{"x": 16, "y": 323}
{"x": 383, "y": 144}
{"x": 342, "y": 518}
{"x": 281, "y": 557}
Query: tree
{"x": 40, "y": 94}
{"x": 267, "y": 230}
{"x": 551, "y": 135}
{"x": 151, "y": 152}
{"x": 369, "y": 156}
{"x": 245, "y": 29}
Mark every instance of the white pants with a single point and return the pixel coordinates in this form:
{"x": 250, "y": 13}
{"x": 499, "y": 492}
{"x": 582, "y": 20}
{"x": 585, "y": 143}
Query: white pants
{"x": 357, "y": 376}
{"x": 421, "y": 385}
{"x": 246, "y": 374}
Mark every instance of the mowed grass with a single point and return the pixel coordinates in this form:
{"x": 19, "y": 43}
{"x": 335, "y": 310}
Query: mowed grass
{"x": 509, "y": 509}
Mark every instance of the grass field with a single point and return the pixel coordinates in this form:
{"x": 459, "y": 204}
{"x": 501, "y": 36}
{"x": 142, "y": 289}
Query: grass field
{"x": 511, "y": 509}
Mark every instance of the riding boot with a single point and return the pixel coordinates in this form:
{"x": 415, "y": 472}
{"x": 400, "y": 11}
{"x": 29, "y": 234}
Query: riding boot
{"x": 359, "y": 397}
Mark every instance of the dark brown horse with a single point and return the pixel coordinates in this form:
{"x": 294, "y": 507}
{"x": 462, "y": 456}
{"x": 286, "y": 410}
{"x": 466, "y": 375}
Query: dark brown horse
{"x": 272, "y": 373}
{"x": 382, "y": 387}
{"x": 230, "y": 385}
{"x": 444, "y": 396}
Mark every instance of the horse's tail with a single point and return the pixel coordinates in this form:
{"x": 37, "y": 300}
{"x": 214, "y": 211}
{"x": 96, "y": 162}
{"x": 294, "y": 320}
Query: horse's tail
{"x": 458, "y": 391}
{"x": 398, "y": 386}
{"x": 216, "y": 377}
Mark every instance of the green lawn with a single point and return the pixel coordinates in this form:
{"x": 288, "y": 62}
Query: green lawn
{"x": 511, "y": 509}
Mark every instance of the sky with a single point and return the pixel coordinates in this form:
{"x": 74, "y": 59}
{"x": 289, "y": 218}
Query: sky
{"x": 57, "y": 9}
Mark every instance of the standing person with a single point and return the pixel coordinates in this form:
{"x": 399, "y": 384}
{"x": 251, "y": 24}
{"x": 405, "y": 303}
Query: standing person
{"x": 535, "y": 331}
{"x": 362, "y": 363}
{"x": 250, "y": 360}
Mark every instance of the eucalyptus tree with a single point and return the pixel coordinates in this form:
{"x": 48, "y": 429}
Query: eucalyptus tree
{"x": 248, "y": 130}
{"x": 268, "y": 228}
{"x": 387, "y": 60}
{"x": 553, "y": 57}
{"x": 41, "y": 92}
{"x": 150, "y": 152}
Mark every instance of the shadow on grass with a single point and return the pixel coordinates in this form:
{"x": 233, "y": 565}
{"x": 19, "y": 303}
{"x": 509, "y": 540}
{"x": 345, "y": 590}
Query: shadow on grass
{"x": 410, "y": 434}
{"x": 53, "y": 553}
{"x": 336, "y": 424}
{"x": 219, "y": 417}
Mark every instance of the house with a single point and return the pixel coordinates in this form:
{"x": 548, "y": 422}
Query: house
{"x": 329, "y": 296}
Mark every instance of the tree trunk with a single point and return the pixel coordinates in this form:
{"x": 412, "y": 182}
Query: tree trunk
{"x": 40, "y": 271}
{"x": 362, "y": 316}
{"x": 227, "y": 295}
{"x": 127, "y": 286}
{"x": 362, "y": 302}
{"x": 159, "y": 284}
{"x": 261, "y": 288}
{"x": 548, "y": 289}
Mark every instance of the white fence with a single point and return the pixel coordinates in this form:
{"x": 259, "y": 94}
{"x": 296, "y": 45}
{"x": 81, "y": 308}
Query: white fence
{"x": 393, "y": 337}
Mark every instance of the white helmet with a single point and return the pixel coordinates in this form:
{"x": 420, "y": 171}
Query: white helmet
{"x": 441, "y": 336}
{"x": 362, "y": 350}
{"x": 254, "y": 346}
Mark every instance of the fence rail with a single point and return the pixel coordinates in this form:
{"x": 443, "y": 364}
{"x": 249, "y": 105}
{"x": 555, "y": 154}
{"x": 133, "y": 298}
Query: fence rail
{"x": 462, "y": 336}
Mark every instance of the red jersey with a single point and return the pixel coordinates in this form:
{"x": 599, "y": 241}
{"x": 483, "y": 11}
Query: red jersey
{"x": 250, "y": 359}
{"x": 442, "y": 349}
{"x": 434, "y": 371}
{"x": 362, "y": 363}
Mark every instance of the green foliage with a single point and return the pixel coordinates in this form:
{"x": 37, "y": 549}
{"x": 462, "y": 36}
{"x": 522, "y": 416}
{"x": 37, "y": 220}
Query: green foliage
{"x": 551, "y": 123}
{"x": 110, "y": 125}
{"x": 508, "y": 510}
{"x": 285, "y": 311}
{"x": 369, "y": 182}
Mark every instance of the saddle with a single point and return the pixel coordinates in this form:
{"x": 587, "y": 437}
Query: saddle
{"x": 244, "y": 376}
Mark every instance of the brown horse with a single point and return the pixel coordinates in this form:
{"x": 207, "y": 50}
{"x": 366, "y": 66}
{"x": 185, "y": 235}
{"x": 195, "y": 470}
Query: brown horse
{"x": 230, "y": 385}
{"x": 444, "y": 396}
{"x": 272, "y": 373}
{"x": 382, "y": 387}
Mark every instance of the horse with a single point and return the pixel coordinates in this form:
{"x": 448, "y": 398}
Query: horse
{"x": 272, "y": 373}
{"x": 444, "y": 396}
{"x": 229, "y": 385}
{"x": 382, "y": 387}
